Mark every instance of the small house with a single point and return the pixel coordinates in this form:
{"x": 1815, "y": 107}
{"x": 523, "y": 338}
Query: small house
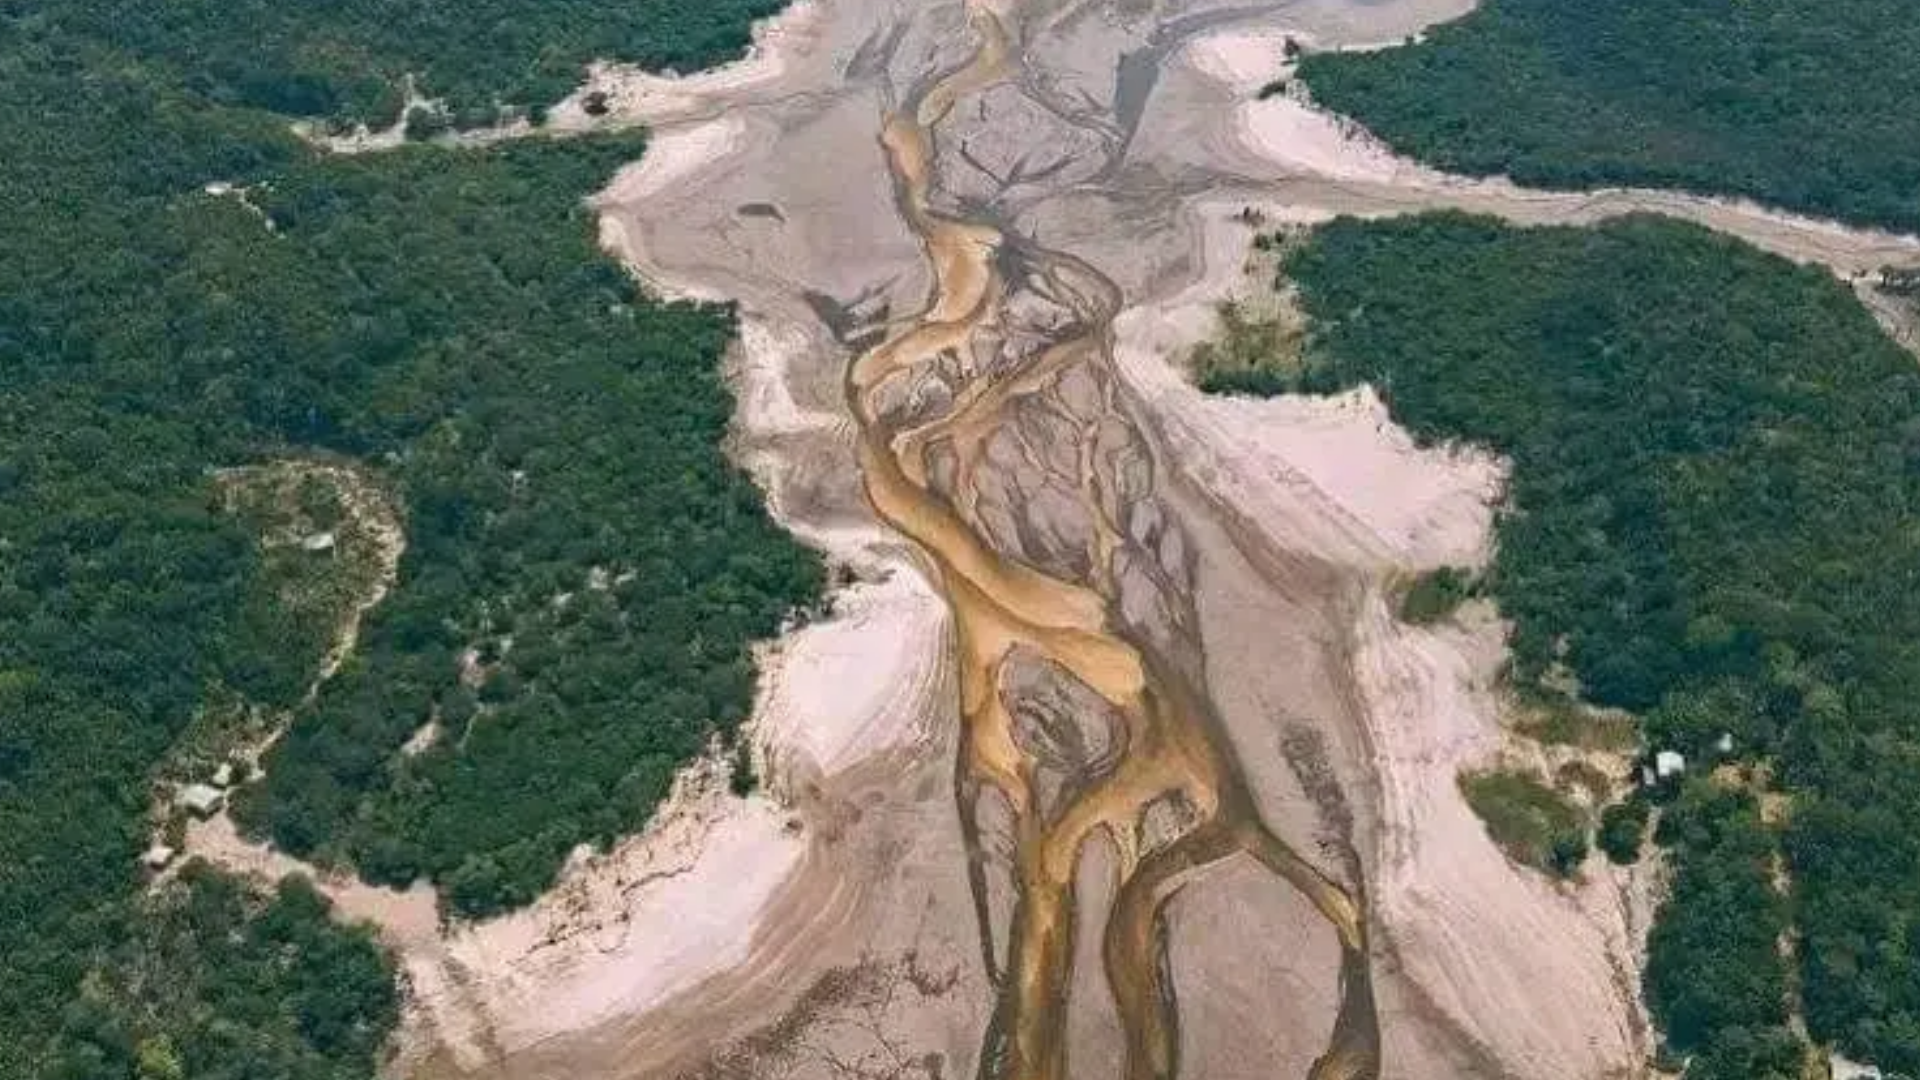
{"x": 319, "y": 543}
{"x": 202, "y": 800}
{"x": 1842, "y": 1069}
{"x": 158, "y": 857}
{"x": 223, "y": 776}
{"x": 1668, "y": 764}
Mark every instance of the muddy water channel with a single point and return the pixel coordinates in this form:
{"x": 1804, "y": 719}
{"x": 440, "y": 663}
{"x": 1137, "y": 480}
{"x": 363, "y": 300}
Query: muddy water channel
{"x": 931, "y": 216}
{"x": 993, "y": 432}
{"x": 1174, "y": 796}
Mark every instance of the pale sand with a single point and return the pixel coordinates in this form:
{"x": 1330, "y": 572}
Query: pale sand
{"x": 1243, "y": 58}
{"x": 1335, "y": 479}
{"x": 625, "y": 930}
{"x": 1332, "y": 476}
{"x": 672, "y": 156}
{"x": 1481, "y": 938}
{"x": 632, "y": 95}
{"x": 838, "y": 691}
{"x": 1291, "y": 133}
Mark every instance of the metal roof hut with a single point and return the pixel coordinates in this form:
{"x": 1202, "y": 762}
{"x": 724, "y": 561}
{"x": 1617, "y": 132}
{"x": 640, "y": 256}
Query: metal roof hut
{"x": 201, "y": 800}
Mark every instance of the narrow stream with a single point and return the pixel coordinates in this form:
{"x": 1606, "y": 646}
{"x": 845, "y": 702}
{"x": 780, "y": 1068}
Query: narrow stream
{"x": 974, "y": 360}
{"x": 966, "y": 195}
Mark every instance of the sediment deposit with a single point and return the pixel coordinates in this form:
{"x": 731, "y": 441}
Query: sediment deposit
{"x": 1108, "y": 759}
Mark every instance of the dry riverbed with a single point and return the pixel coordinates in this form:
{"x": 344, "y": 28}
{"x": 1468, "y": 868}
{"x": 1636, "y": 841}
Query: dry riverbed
{"x": 1109, "y": 758}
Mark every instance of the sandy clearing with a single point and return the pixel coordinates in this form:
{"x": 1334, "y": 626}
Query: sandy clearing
{"x": 1283, "y": 129}
{"x": 630, "y": 95}
{"x": 1449, "y": 902}
{"x": 1291, "y": 133}
{"x": 1332, "y": 476}
{"x": 683, "y": 155}
{"x": 1474, "y": 937}
{"x": 1899, "y": 316}
{"x": 1243, "y": 58}
{"x": 858, "y": 684}
{"x": 624, "y": 930}
{"x": 672, "y": 156}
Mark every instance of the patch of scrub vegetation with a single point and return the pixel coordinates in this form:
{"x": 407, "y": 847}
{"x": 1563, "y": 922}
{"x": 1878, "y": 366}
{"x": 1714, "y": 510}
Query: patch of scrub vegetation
{"x": 1435, "y": 595}
{"x": 1532, "y": 822}
{"x": 1896, "y": 298}
{"x": 1255, "y": 347}
{"x": 1806, "y": 104}
{"x": 1552, "y": 718}
{"x": 1623, "y": 828}
{"x": 185, "y": 287}
{"x": 1713, "y": 522}
{"x": 317, "y": 559}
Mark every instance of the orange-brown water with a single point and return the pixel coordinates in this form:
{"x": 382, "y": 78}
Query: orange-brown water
{"x": 1000, "y": 606}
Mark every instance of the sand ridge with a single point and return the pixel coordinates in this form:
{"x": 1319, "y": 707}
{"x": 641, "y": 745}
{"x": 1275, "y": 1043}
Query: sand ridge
{"x": 1335, "y": 479}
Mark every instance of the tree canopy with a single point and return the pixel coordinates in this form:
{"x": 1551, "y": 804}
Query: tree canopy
{"x": 1805, "y": 104}
{"x": 347, "y": 61}
{"x": 185, "y": 287}
{"x": 1713, "y": 520}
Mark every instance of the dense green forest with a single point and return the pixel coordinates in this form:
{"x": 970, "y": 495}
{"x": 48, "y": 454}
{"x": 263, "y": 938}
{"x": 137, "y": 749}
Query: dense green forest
{"x": 1806, "y": 104}
{"x": 571, "y": 519}
{"x": 346, "y": 62}
{"x": 213, "y": 980}
{"x": 445, "y": 319}
{"x": 1714, "y": 520}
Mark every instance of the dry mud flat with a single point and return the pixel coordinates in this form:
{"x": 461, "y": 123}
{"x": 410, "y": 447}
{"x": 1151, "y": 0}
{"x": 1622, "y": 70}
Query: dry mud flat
{"x": 971, "y": 207}
{"x": 1111, "y": 760}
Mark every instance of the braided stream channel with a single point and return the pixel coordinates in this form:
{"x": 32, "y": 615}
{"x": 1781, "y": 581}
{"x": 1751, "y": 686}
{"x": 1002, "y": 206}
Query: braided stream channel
{"x": 1080, "y": 672}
